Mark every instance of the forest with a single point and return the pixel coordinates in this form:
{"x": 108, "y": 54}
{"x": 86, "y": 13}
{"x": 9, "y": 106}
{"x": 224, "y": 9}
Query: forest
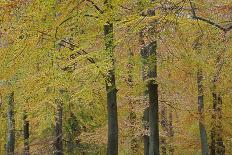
{"x": 115, "y": 77}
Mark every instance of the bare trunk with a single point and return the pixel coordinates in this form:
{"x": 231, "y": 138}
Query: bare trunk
{"x": 217, "y": 145}
{"x": 170, "y": 132}
{"x": 163, "y": 140}
{"x": 203, "y": 133}
{"x": 148, "y": 53}
{"x": 132, "y": 115}
{"x": 73, "y": 133}
{"x": 10, "y": 146}
{"x": 112, "y": 148}
{"x": 58, "y": 144}
{"x": 146, "y": 127}
{"x": 153, "y": 101}
{"x": 219, "y": 139}
{"x": 26, "y": 134}
{"x": 143, "y": 54}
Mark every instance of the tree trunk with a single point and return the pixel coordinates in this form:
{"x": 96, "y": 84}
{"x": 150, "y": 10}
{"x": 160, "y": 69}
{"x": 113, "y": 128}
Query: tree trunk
{"x": 170, "y": 132}
{"x": 152, "y": 86}
{"x": 213, "y": 130}
{"x": 153, "y": 101}
{"x": 112, "y": 148}
{"x": 163, "y": 140}
{"x": 143, "y": 54}
{"x": 217, "y": 145}
{"x": 58, "y": 144}
{"x": 146, "y": 127}
{"x": 134, "y": 146}
{"x": 26, "y": 134}
{"x": 73, "y": 133}
{"x": 11, "y": 125}
{"x": 148, "y": 53}
{"x": 203, "y": 133}
{"x": 219, "y": 139}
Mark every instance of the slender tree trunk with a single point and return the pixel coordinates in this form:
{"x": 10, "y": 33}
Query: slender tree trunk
{"x": 203, "y": 133}
{"x": 170, "y": 132}
{"x": 219, "y": 139}
{"x": 26, "y": 134}
{"x": 133, "y": 140}
{"x": 213, "y": 130}
{"x": 163, "y": 140}
{"x": 146, "y": 127}
{"x": 148, "y": 53}
{"x": 74, "y": 131}
{"x": 143, "y": 54}
{"x": 112, "y": 148}
{"x": 58, "y": 144}
{"x": 217, "y": 145}
{"x": 10, "y": 146}
{"x": 132, "y": 115}
{"x": 153, "y": 95}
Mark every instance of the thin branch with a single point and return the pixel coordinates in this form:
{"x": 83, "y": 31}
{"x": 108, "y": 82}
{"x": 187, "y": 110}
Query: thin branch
{"x": 88, "y": 15}
{"x": 208, "y": 21}
{"x": 17, "y": 55}
{"x": 95, "y": 6}
{"x": 192, "y": 8}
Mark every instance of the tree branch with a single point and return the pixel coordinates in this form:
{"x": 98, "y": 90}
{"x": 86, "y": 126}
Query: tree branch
{"x": 95, "y": 6}
{"x": 208, "y": 21}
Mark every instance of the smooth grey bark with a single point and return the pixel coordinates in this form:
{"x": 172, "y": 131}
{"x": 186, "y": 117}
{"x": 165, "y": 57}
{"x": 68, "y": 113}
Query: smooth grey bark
{"x": 153, "y": 94}
{"x": 148, "y": 53}
{"x": 112, "y": 146}
{"x": 26, "y": 134}
{"x": 10, "y": 146}
{"x": 146, "y": 127}
{"x": 203, "y": 133}
{"x": 58, "y": 143}
{"x": 144, "y": 57}
{"x": 153, "y": 101}
{"x": 200, "y": 100}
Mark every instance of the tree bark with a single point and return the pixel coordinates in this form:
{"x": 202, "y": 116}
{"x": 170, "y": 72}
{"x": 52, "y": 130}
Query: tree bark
{"x": 203, "y": 133}
{"x": 73, "y": 133}
{"x": 163, "y": 140}
{"x": 146, "y": 127}
{"x": 58, "y": 144}
{"x": 219, "y": 140}
{"x": 170, "y": 132}
{"x": 26, "y": 134}
{"x": 153, "y": 101}
{"x": 143, "y": 54}
{"x": 148, "y": 53}
{"x": 10, "y": 146}
{"x": 153, "y": 94}
{"x": 112, "y": 148}
{"x": 217, "y": 145}
{"x": 134, "y": 146}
